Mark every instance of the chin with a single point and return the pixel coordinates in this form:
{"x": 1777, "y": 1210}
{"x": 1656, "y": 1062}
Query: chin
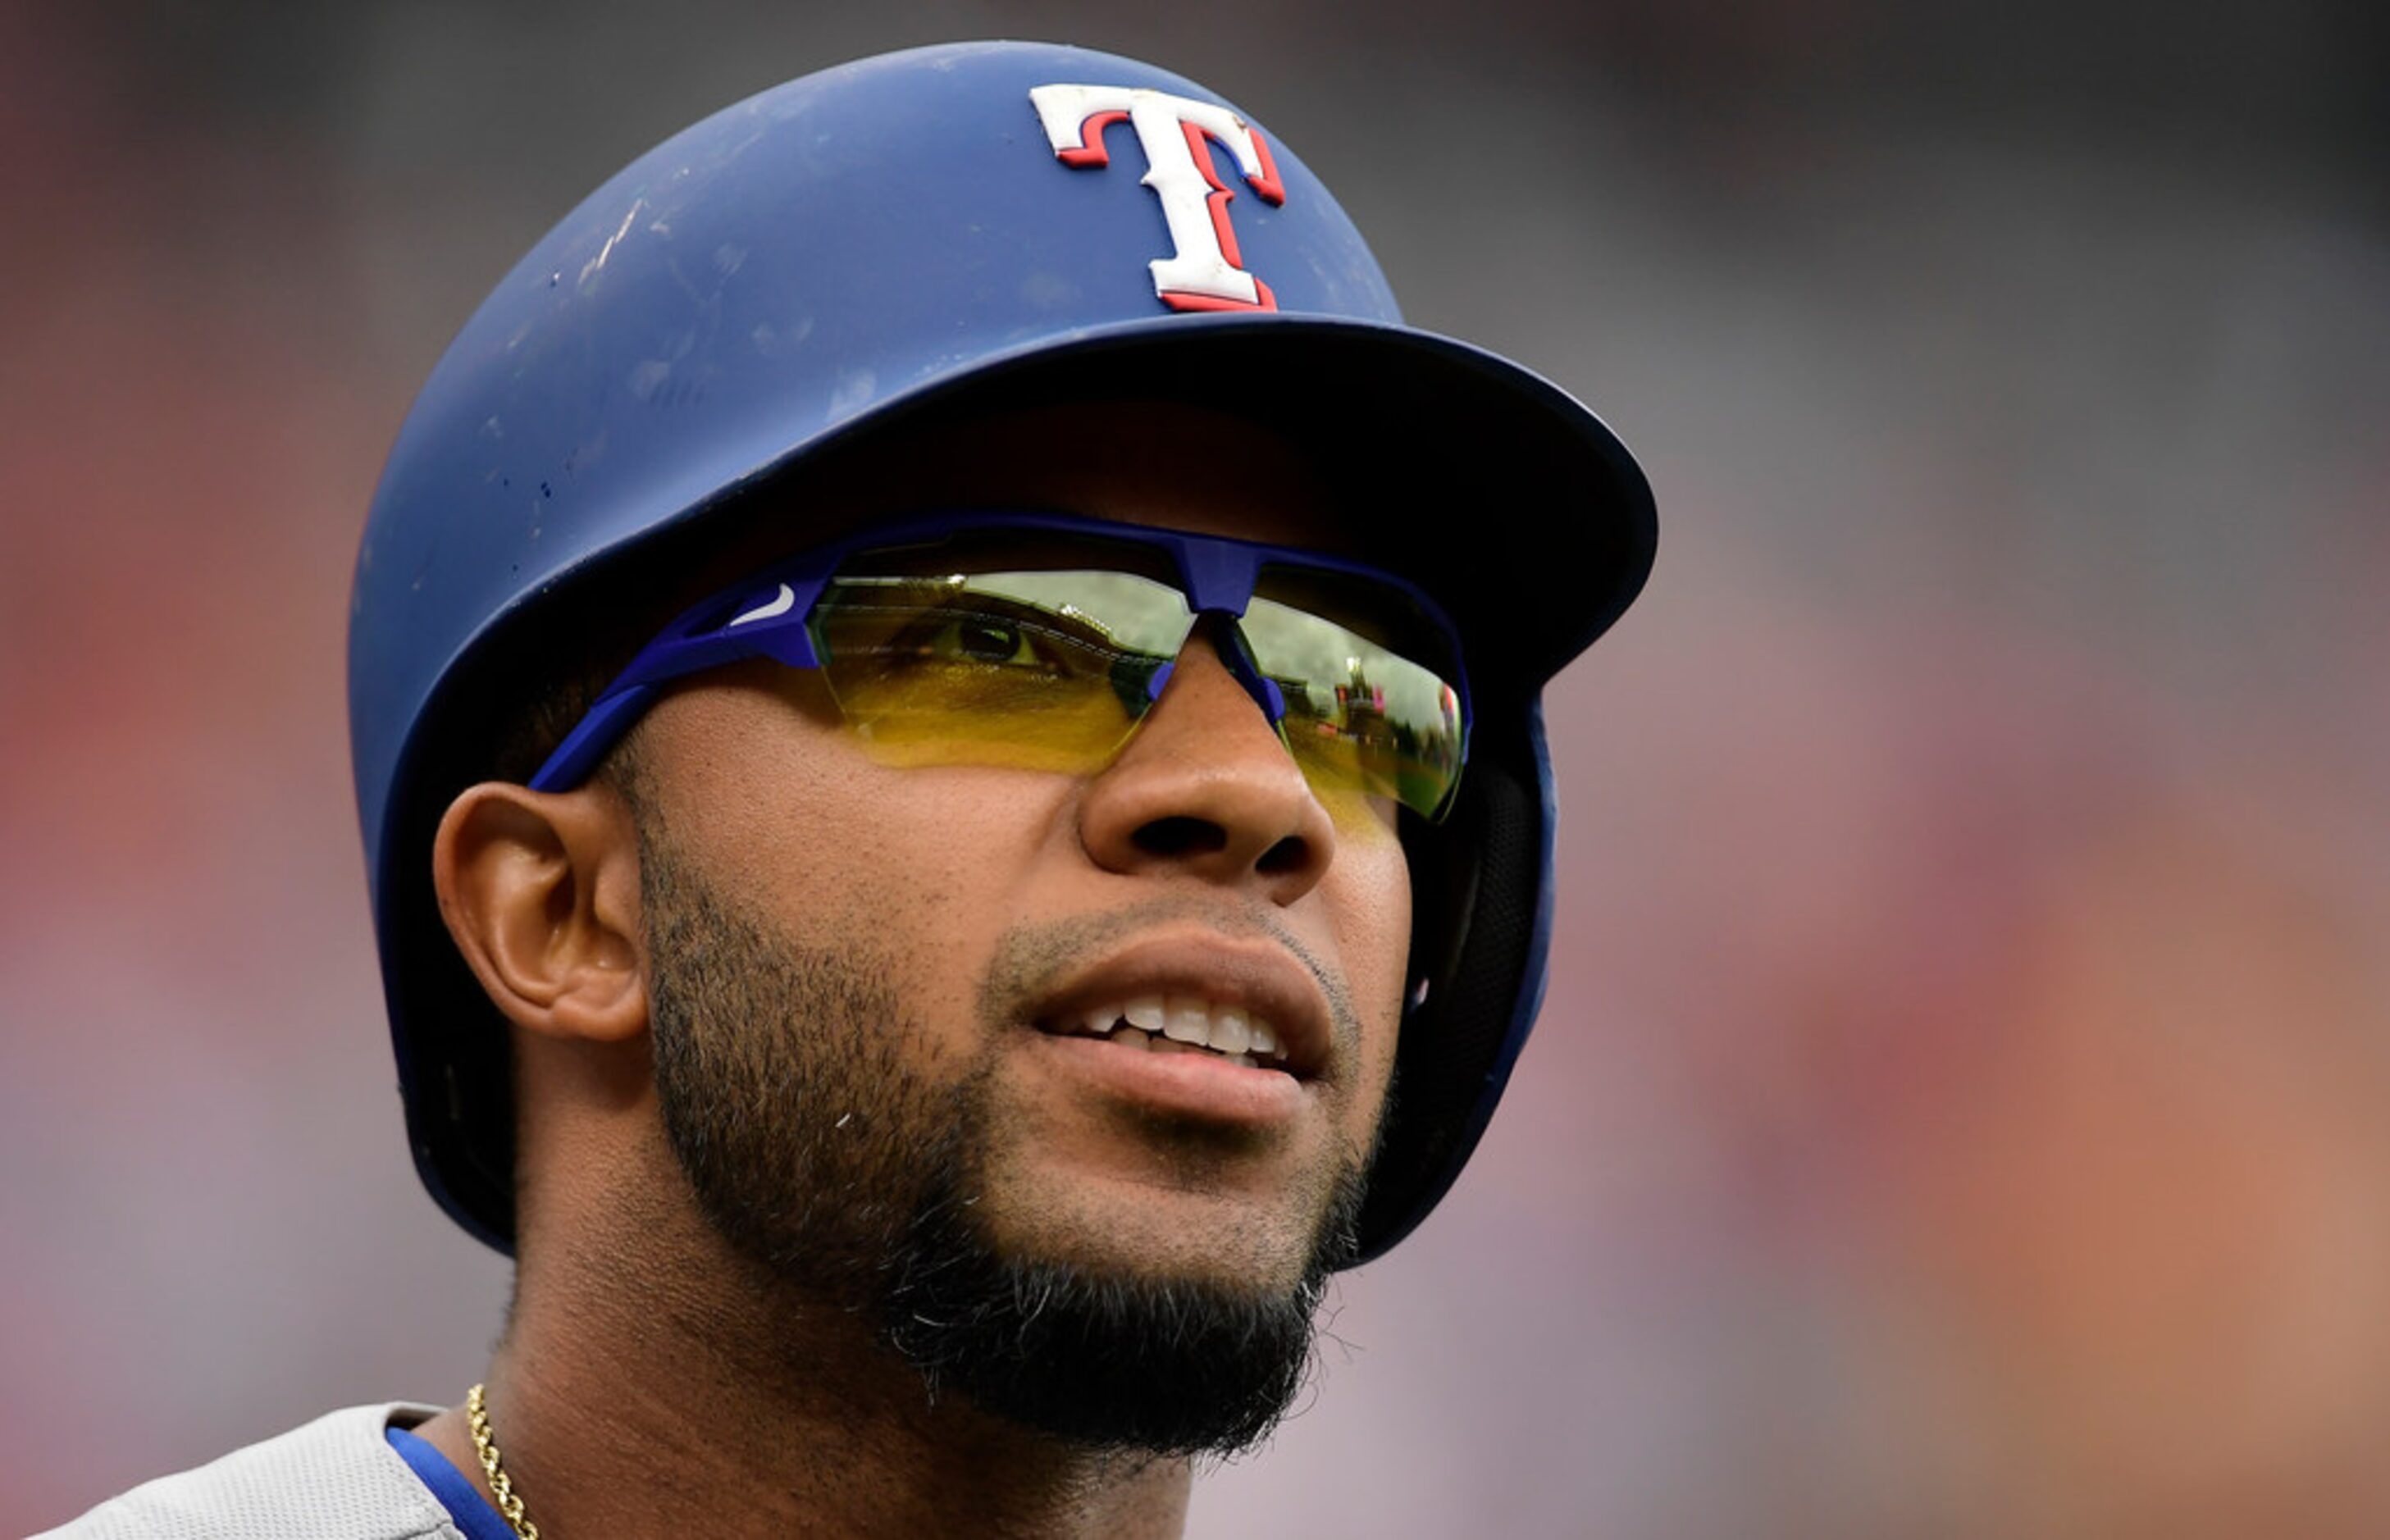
{"x": 1166, "y": 1323}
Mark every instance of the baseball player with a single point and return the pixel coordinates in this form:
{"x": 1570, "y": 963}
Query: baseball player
{"x": 946, "y": 719}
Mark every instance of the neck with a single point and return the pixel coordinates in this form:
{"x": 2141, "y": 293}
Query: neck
{"x": 633, "y": 1400}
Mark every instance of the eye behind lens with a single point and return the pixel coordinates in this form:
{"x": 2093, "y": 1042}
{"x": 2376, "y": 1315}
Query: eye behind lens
{"x": 987, "y": 641}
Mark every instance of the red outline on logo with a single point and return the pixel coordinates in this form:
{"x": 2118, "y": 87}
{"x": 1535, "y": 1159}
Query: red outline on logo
{"x": 1180, "y": 300}
{"x": 1266, "y": 187}
{"x": 1091, "y": 141}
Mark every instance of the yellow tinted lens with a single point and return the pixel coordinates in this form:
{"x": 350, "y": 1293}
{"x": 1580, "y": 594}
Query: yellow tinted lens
{"x": 994, "y": 651}
{"x": 994, "y": 668}
{"x": 1359, "y": 714}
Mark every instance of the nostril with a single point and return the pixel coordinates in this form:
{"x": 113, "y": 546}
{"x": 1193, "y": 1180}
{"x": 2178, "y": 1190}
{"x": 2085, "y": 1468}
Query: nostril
{"x": 1291, "y": 854}
{"x": 1169, "y": 836}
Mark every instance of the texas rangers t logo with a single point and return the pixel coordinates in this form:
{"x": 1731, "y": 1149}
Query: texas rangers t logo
{"x": 1204, "y": 270}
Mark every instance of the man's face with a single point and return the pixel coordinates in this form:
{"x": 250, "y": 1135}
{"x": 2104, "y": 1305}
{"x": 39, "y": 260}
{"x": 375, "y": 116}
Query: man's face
{"x": 884, "y": 997}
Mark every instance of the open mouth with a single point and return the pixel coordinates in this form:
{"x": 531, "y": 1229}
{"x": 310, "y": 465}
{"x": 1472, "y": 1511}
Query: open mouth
{"x": 1156, "y": 1023}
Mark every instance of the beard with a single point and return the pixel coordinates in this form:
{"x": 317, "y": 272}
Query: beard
{"x": 824, "y": 1156}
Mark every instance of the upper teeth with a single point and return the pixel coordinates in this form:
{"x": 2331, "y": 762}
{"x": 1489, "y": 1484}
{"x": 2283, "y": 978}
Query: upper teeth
{"x": 1184, "y": 1019}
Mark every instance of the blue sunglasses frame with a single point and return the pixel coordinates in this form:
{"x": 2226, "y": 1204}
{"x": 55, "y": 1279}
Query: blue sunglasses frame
{"x": 770, "y": 616}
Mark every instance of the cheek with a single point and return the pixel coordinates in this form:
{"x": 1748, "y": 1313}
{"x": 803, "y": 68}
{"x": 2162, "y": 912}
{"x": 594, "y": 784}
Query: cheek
{"x": 1370, "y": 889}
{"x": 920, "y": 867}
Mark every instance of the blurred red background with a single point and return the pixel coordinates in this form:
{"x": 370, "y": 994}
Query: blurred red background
{"x": 1960, "y": 1107}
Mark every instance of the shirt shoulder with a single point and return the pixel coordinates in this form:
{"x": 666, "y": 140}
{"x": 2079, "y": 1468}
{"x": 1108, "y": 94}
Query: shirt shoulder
{"x": 335, "y": 1479}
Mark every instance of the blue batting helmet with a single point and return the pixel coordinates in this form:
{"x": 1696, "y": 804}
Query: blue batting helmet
{"x": 956, "y": 225}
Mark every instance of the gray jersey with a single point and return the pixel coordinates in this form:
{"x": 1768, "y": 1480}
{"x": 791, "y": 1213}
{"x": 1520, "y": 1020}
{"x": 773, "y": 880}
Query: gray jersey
{"x": 335, "y": 1479}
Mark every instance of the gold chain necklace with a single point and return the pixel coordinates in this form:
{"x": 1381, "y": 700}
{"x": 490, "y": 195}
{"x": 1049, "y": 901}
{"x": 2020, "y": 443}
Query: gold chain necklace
{"x": 477, "y": 1417}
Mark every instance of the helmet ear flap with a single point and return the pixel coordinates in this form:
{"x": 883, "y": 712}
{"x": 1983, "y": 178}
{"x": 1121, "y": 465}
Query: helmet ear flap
{"x": 1479, "y": 919}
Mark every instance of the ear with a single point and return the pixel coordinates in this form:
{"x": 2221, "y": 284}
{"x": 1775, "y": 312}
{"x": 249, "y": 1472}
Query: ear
{"x": 541, "y": 892}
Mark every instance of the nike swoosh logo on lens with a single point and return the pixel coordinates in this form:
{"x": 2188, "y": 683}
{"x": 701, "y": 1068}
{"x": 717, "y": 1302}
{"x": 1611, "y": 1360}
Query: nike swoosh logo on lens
{"x": 780, "y": 606}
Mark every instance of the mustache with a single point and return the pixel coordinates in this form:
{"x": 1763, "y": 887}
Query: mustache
{"x": 1032, "y": 960}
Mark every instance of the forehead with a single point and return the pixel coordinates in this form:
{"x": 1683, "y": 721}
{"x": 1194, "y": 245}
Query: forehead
{"x": 1155, "y": 463}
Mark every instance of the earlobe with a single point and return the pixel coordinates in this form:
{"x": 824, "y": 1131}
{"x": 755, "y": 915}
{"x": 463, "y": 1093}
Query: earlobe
{"x": 541, "y": 892}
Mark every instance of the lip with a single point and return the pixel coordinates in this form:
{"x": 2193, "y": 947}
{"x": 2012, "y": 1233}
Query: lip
{"x": 1199, "y": 1086}
{"x": 1256, "y": 976}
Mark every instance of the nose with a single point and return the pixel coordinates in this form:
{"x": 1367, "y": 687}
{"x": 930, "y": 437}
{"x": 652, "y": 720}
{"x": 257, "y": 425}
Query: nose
{"x": 1204, "y": 788}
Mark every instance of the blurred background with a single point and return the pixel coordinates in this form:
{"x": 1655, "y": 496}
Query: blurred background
{"x": 1962, "y": 1107}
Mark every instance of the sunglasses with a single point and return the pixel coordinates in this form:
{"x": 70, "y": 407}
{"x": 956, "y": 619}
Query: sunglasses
{"x": 1040, "y": 641}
